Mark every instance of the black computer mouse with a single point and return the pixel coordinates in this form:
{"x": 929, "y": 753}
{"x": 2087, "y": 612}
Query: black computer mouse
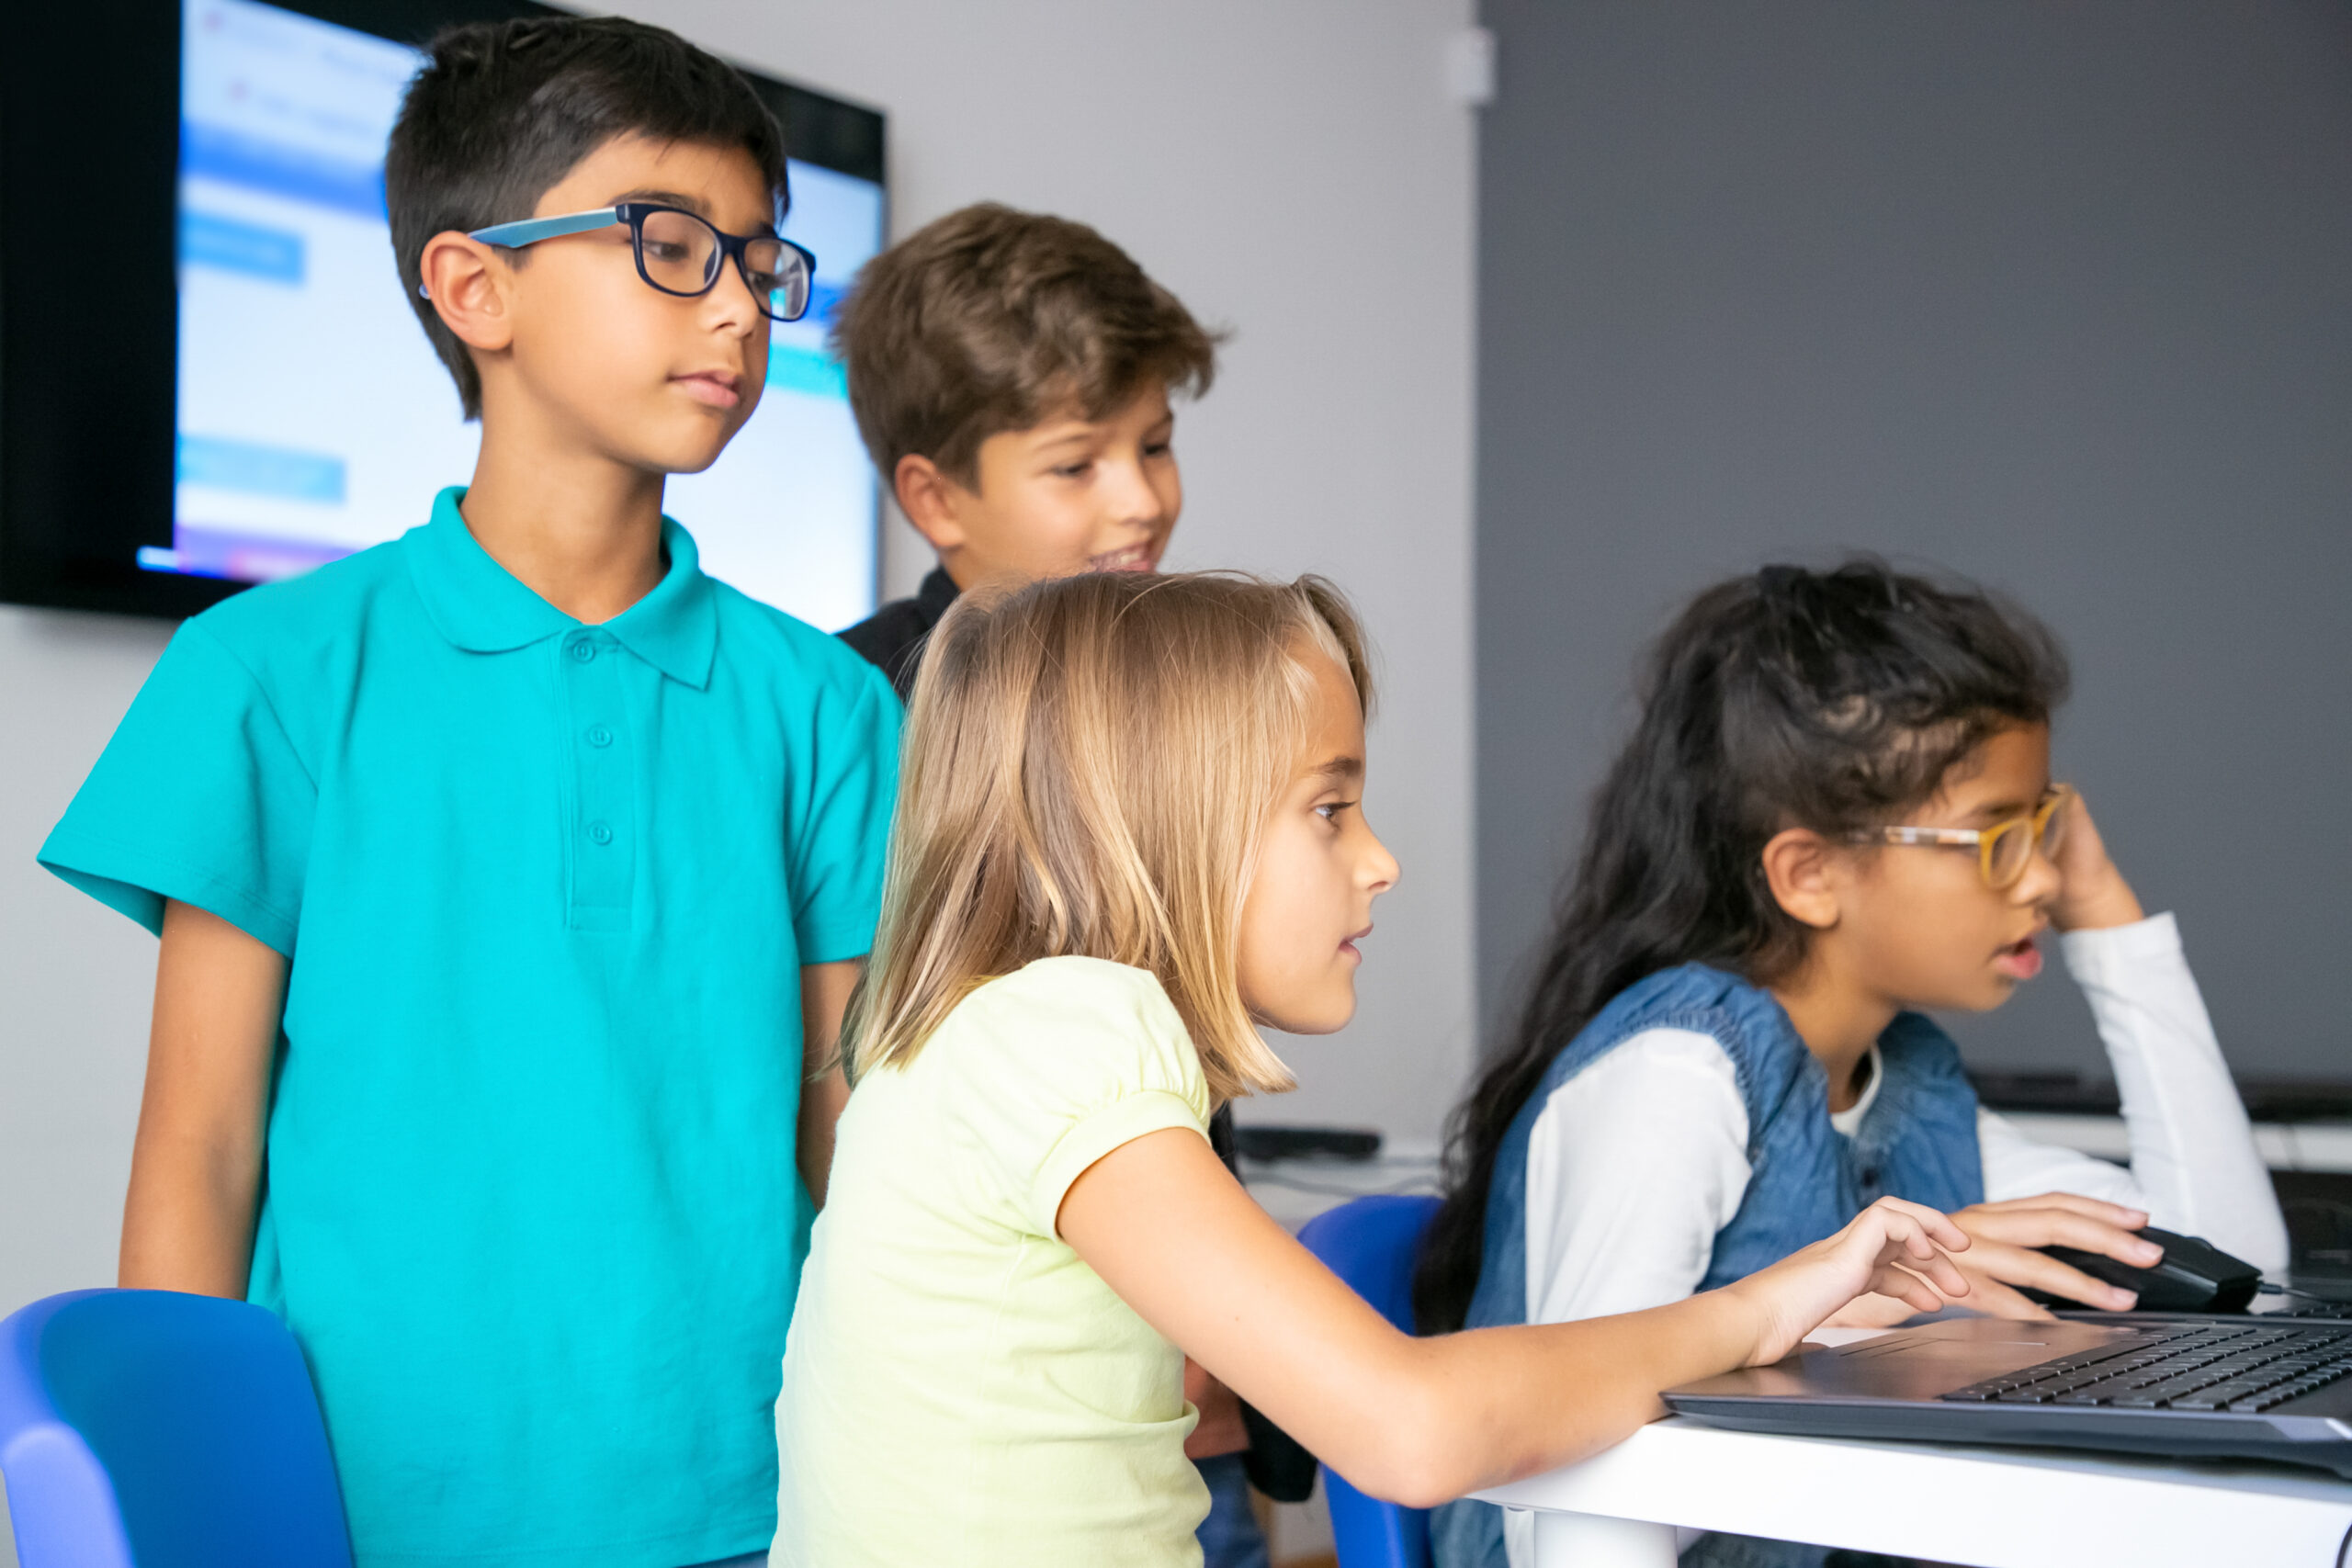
{"x": 2192, "y": 1276}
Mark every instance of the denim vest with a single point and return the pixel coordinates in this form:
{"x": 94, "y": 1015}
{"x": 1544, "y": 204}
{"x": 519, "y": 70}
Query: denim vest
{"x": 1806, "y": 1180}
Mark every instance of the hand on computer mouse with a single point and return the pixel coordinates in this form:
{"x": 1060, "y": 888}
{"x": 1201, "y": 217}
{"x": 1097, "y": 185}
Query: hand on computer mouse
{"x": 2003, "y": 1256}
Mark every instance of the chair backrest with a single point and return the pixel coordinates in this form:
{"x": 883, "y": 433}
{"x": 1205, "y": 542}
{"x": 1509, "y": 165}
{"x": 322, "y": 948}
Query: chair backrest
{"x": 161, "y": 1430}
{"x": 1372, "y": 1242}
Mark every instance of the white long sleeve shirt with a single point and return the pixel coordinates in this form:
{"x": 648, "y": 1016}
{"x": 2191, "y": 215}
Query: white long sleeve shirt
{"x": 1639, "y": 1159}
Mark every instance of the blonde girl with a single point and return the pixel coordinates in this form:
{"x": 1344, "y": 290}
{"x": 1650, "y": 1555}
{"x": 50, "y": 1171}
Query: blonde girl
{"x": 1130, "y": 834}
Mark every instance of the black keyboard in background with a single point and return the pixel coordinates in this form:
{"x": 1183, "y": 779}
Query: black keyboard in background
{"x": 2244, "y": 1367}
{"x": 2313, "y": 1307}
{"x": 2318, "y": 1208}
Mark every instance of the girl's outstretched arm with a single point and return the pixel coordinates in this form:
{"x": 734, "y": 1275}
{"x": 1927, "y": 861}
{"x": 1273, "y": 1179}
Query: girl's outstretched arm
{"x": 1422, "y": 1421}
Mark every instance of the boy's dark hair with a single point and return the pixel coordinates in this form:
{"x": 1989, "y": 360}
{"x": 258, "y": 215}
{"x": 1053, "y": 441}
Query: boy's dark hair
{"x": 1830, "y": 700}
{"x": 991, "y": 319}
{"x": 501, "y": 111}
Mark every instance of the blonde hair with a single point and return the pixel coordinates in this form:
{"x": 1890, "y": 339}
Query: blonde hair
{"x": 1090, "y": 764}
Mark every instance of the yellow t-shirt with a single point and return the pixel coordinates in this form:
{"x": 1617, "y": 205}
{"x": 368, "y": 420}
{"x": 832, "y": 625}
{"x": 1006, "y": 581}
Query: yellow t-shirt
{"x": 960, "y": 1389}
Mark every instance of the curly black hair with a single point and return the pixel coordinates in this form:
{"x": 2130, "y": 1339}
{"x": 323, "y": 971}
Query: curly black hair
{"x": 1830, "y": 700}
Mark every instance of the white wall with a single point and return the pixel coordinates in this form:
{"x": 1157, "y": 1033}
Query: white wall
{"x": 1295, "y": 172}
{"x": 75, "y": 977}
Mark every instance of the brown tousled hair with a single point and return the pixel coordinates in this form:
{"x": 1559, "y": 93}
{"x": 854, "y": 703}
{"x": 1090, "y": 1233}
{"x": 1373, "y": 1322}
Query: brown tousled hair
{"x": 991, "y": 319}
{"x": 1090, "y": 763}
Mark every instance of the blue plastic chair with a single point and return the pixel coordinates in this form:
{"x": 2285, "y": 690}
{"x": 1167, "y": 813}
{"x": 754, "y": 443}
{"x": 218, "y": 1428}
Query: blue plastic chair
{"x": 151, "y": 1429}
{"x": 1372, "y": 1243}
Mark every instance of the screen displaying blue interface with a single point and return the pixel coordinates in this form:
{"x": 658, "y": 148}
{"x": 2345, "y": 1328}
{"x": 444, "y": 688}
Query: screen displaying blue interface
{"x": 314, "y": 418}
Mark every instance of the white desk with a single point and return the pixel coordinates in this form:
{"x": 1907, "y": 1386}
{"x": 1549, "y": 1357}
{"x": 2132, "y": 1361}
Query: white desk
{"x": 1984, "y": 1507}
{"x": 2284, "y": 1146}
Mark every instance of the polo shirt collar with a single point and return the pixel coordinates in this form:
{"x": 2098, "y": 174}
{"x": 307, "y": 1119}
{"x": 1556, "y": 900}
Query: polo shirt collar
{"x": 676, "y": 627}
{"x": 481, "y": 607}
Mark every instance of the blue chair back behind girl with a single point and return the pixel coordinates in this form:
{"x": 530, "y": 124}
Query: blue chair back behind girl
{"x": 1372, "y": 1242}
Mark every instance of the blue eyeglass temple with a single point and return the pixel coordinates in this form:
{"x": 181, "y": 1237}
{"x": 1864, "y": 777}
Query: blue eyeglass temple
{"x": 531, "y": 231}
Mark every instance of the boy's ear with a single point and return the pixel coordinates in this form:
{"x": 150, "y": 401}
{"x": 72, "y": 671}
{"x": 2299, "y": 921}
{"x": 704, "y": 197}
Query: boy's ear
{"x": 932, "y": 501}
{"x": 1801, "y": 867}
{"x": 465, "y": 281}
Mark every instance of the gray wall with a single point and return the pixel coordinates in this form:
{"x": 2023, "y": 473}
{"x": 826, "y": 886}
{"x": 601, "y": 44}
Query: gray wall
{"x": 2057, "y": 293}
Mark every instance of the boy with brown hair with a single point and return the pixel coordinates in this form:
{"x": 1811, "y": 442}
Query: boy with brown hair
{"x": 1012, "y": 373}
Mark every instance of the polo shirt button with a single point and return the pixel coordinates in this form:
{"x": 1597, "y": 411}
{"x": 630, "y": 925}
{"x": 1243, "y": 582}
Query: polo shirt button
{"x": 600, "y": 832}
{"x": 584, "y": 650}
{"x": 599, "y": 736}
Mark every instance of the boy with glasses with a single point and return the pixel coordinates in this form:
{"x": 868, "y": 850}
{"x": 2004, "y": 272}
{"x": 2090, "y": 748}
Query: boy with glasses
{"x": 512, "y": 876}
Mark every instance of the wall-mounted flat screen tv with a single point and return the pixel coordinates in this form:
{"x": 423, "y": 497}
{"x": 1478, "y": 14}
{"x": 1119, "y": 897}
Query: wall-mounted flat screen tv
{"x": 276, "y": 407}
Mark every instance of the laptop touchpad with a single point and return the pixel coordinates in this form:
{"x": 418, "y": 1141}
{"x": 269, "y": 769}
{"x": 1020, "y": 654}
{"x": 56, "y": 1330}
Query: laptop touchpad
{"x": 1936, "y": 1357}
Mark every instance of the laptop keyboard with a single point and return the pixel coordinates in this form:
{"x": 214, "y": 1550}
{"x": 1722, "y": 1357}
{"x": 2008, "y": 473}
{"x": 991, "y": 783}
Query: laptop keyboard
{"x": 2239, "y": 1367}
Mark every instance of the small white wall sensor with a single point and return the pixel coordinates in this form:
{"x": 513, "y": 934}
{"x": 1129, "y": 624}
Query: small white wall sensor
{"x": 1470, "y": 67}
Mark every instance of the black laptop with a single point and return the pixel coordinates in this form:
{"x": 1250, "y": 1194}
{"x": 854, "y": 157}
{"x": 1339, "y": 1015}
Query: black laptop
{"x": 2180, "y": 1386}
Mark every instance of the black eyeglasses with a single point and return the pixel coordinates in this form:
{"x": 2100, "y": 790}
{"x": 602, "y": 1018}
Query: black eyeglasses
{"x": 680, "y": 252}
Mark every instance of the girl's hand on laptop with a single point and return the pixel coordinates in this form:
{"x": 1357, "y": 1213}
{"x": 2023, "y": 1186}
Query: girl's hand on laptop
{"x": 2004, "y": 1257}
{"x": 1894, "y": 1250}
{"x": 2092, "y": 895}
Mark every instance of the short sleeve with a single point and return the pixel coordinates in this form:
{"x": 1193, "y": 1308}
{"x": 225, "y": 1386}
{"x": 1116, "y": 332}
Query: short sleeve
{"x": 844, "y": 826}
{"x": 1062, "y": 1062}
{"x": 198, "y": 798}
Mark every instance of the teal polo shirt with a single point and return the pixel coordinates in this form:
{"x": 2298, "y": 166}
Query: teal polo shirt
{"x": 531, "y": 1206}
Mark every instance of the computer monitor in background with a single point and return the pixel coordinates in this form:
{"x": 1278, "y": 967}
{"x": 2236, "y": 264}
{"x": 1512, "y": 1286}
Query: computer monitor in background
{"x": 312, "y": 417}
